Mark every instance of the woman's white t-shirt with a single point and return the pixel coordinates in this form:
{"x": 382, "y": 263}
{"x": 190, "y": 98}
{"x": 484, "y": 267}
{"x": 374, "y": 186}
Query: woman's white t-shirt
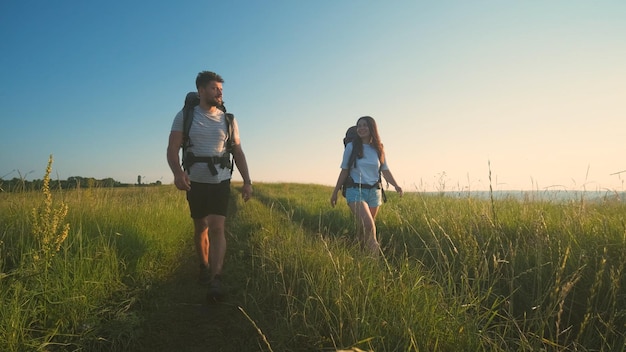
{"x": 366, "y": 170}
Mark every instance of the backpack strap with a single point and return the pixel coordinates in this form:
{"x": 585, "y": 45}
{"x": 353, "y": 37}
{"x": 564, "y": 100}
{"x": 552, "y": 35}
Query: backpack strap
{"x": 191, "y": 101}
{"x": 223, "y": 161}
{"x": 352, "y": 159}
{"x": 187, "y": 121}
{"x": 350, "y": 182}
{"x": 380, "y": 181}
{"x": 230, "y": 139}
{"x": 230, "y": 130}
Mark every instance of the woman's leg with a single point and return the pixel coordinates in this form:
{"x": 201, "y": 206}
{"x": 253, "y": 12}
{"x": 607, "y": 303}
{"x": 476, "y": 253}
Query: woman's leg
{"x": 366, "y": 227}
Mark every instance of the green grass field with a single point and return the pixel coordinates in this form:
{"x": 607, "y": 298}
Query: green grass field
{"x": 113, "y": 269}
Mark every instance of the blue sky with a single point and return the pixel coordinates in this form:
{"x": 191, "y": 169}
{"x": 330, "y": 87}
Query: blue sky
{"x": 533, "y": 91}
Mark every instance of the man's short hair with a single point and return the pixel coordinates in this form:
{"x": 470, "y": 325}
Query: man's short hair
{"x": 205, "y": 77}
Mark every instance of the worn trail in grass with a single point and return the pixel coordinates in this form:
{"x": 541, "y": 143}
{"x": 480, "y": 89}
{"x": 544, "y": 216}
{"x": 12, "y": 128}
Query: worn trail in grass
{"x": 176, "y": 315}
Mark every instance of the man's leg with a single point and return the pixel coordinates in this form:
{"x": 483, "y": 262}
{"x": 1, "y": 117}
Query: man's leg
{"x": 217, "y": 246}
{"x": 201, "y": 240}
{"x": 217, "y": 251}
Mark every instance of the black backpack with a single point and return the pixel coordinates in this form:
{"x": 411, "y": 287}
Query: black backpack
{"x": 349, "y": 182}
{"x": 350, "y": 136}
{"x": 191, "y": 101}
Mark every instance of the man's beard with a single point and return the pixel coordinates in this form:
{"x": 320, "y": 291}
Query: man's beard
{"x": 214, "y": 102}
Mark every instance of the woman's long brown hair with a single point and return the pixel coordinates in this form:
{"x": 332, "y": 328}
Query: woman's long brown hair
{"x": 374, "y": 139}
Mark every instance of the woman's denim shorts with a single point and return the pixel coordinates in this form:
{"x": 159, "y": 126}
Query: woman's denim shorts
{"x": 372, "y": 196}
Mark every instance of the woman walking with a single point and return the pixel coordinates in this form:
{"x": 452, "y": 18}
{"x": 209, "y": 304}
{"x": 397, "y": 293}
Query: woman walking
{"x": 362, "y": 181}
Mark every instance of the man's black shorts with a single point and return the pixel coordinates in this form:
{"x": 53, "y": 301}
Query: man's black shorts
{"x": 208, "y": 199}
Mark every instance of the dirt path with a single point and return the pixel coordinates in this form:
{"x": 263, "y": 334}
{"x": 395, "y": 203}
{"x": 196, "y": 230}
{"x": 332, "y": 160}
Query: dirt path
{"x": 178, "y": 318}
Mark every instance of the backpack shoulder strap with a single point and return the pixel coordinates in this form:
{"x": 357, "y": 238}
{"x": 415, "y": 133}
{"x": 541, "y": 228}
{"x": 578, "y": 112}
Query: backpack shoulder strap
{"x": 352, "y": 159}
{"x": 191, "y": 100}
{"x": 230, "y": 141}
{"x": 187, "y": 121}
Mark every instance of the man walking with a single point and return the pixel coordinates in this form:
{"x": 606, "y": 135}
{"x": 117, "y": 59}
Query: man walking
{"x": 207, "y": 180}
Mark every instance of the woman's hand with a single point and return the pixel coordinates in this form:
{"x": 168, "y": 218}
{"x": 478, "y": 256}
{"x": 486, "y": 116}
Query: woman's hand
{"x": 399, "y": 190}
{"x": 333, "y": 199}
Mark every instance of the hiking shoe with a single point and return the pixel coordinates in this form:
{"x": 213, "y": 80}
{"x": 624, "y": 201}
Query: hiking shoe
{"x": 205, "y": 275}
{"x": 216, "y": 291}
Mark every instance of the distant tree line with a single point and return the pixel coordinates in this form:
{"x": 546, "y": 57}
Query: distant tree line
{"x": 75, "y": 182}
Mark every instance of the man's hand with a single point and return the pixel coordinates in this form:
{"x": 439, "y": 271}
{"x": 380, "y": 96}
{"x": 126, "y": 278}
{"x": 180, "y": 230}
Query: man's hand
{"x": 181, "y": 180}
{"x": 246, "y": 192}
